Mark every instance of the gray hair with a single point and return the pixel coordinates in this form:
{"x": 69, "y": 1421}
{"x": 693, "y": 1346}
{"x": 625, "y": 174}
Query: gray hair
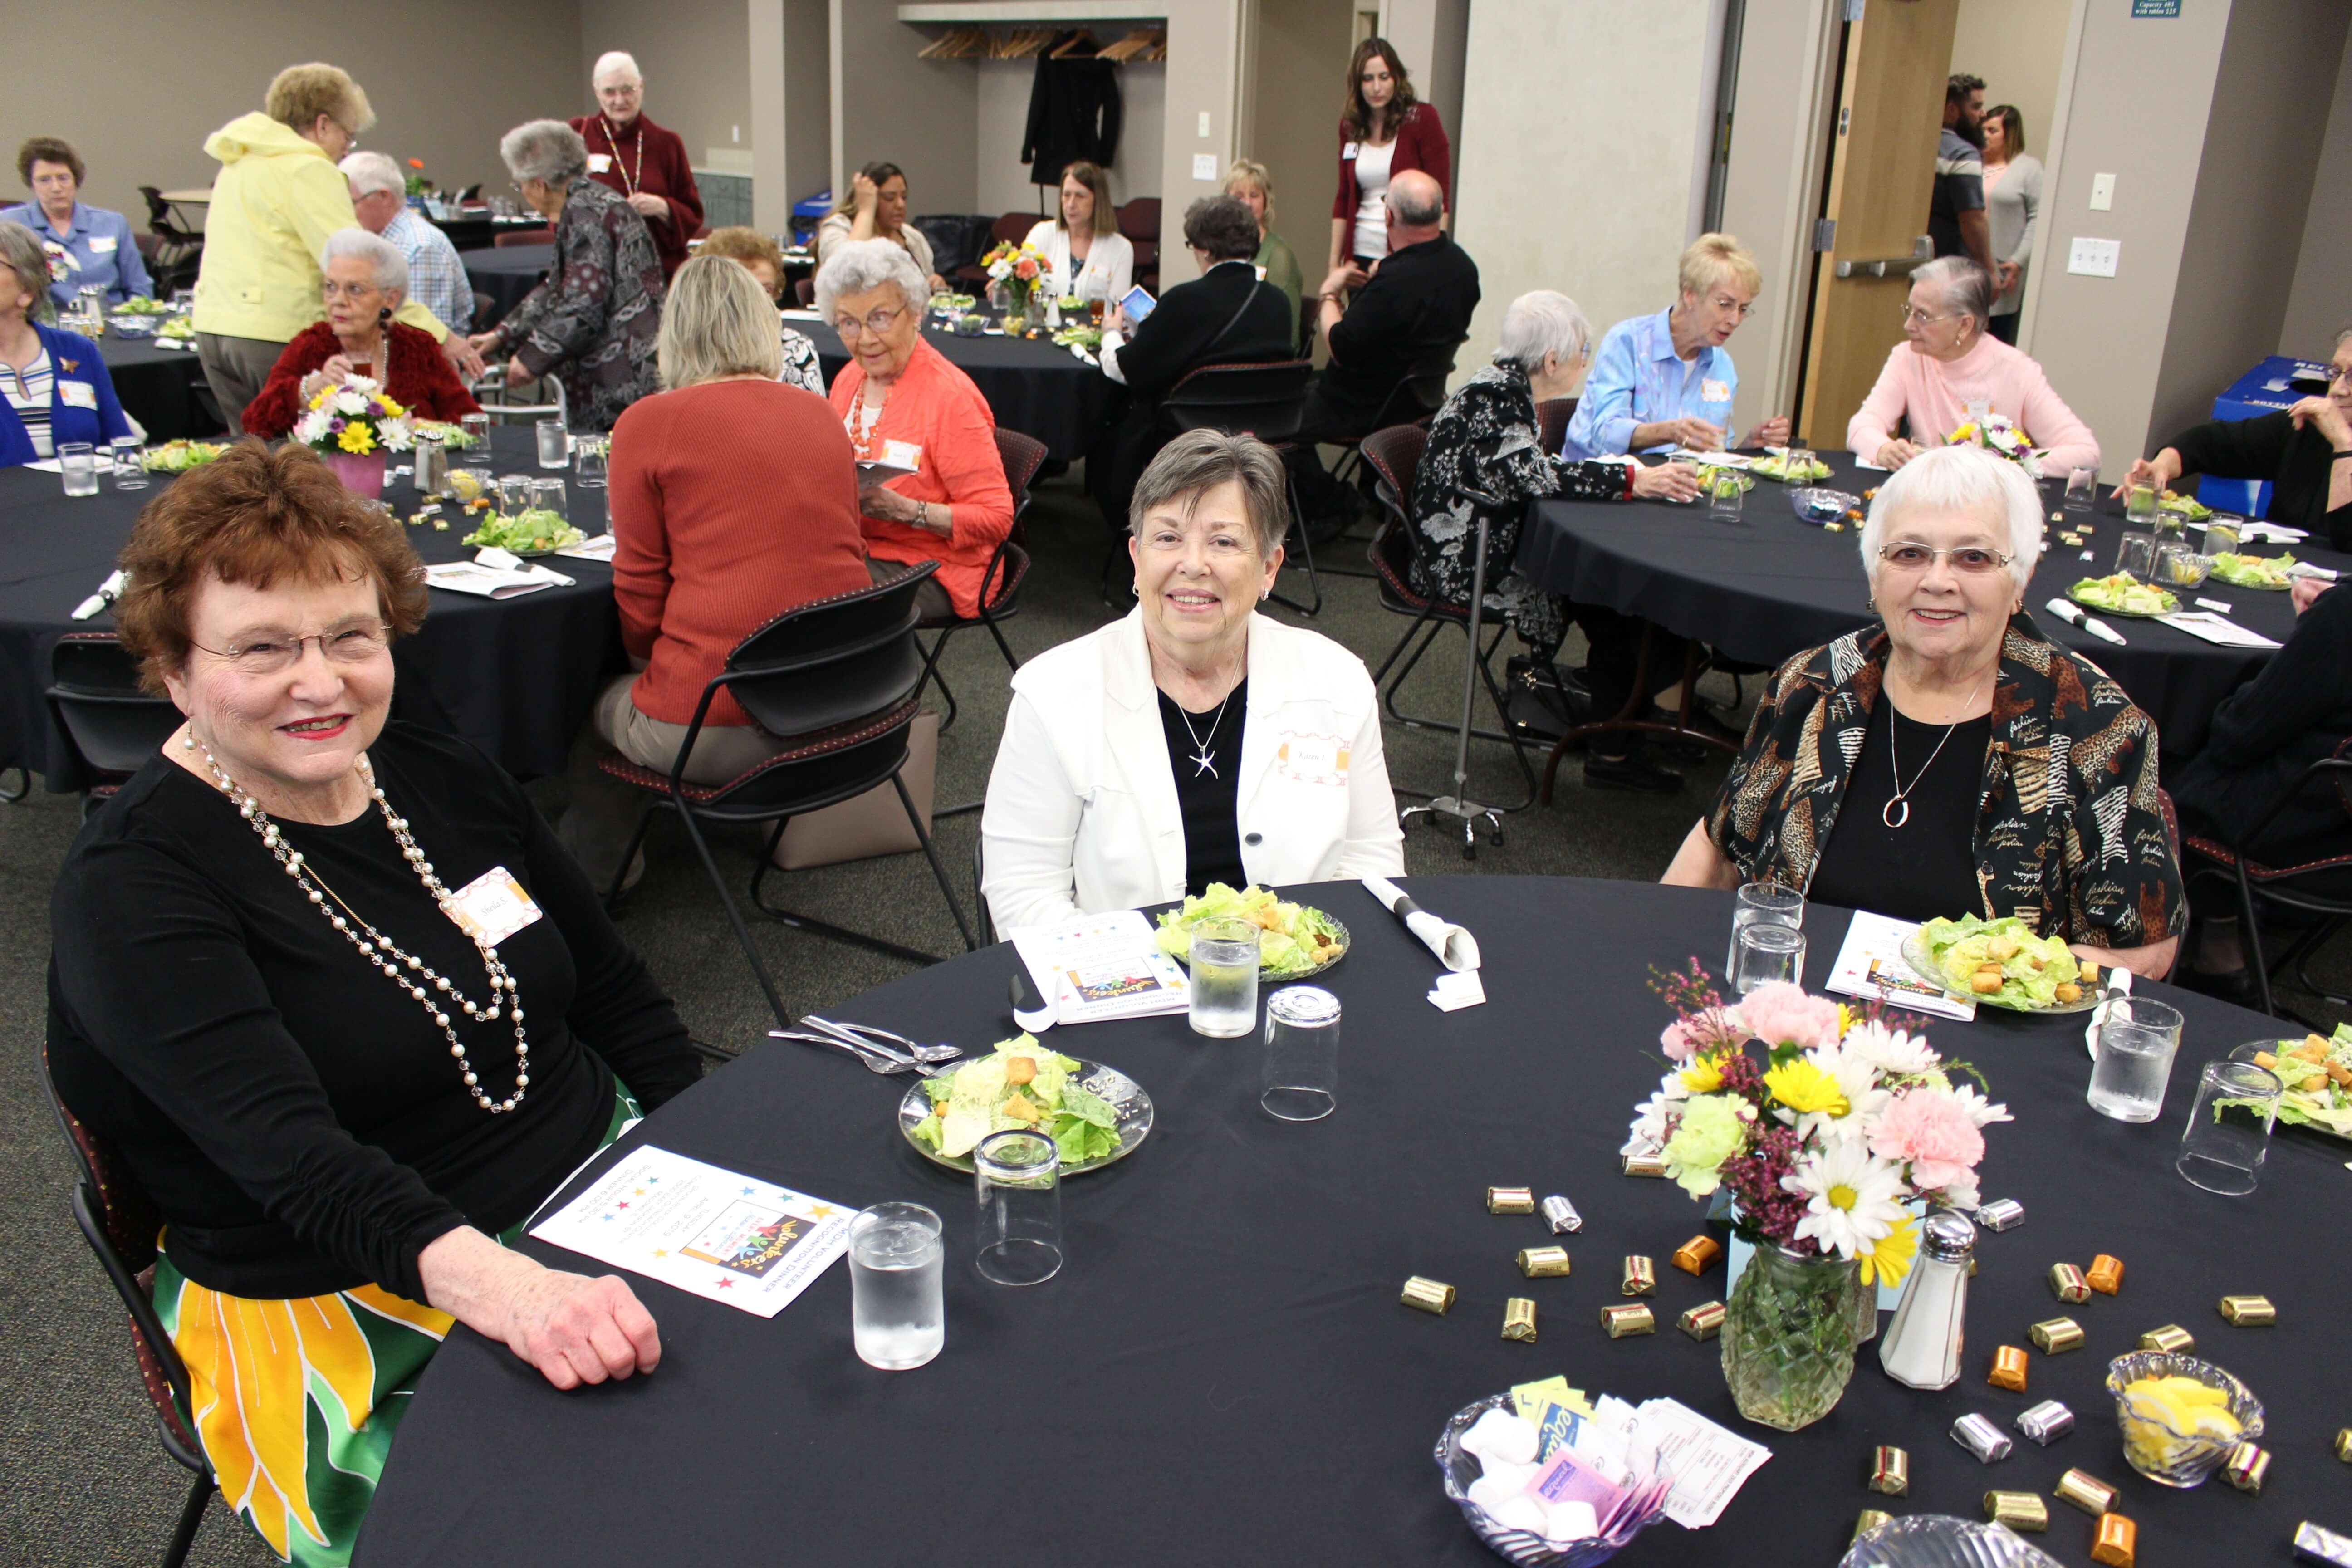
{"x": 1962, "y": 479}
{"x": 612, "y": 60}
{"x": 865, "y": 265}
{"x": 1541, "y": 323}
{"x": 1966, "y": 287}
{"x": 20, "y": 249}
{"x": 371, "y": 171}
{"x": 717, "y": 321}
{"x": 544, "y": 150}
{"x": 391, "y": 266}
{"x": 1197, "y": 462}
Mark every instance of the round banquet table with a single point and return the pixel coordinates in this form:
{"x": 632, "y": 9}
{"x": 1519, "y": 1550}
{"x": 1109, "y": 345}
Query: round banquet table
{"x": 1223, "y": 1372}
{"x": 157, "y": 386}
{"x": 515, "y": 677}
{"x": 1766, "y": 585}
{"x": 506, "y": 274}
{"x": 1030, "y": 385}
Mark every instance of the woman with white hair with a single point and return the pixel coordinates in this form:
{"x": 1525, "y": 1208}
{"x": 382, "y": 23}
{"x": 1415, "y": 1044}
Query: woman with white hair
{"x": 644, "y": 163}
{"x": 594, "y": 320}
{"x": 1950, "y": 758}
{"x": 366, "y": 279}
{"x": 907, "y": 406}
{"x": 1952, "y": 359}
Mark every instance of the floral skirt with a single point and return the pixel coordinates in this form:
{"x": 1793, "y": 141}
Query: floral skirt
{"x": 295, "y": 1401}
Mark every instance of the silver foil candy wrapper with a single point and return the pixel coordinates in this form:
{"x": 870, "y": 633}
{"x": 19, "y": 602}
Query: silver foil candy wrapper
{"x": 2045, "y": 1423}
{"x": 1979, "y": 1437}
{"x": 2314, "y": 1544}
{"x": 1561, "y": 1216}
{"x": 2001, "y": 1214}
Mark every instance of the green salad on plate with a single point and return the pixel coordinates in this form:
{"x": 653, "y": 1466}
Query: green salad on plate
{"x": 2123, "y": 595}
{"x": 1783, "y": 466}
{"x": 532, "y": 533}
{"x": 1293, "y": 940}
{"x": 2253, "y": 571}
{"x": 1022, "y": 1085}
{"x": 2003, "y": 962}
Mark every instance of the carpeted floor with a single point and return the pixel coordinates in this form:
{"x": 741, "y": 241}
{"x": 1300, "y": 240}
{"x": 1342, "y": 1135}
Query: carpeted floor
{"x": 90, "y": 1484}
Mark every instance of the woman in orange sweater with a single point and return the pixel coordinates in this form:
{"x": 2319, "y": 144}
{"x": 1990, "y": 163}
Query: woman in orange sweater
{"x": 733, "y": 498}
{"x": 904, "y": 404}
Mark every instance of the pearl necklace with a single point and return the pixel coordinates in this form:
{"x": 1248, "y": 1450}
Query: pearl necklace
{"x": 379, "y": 950}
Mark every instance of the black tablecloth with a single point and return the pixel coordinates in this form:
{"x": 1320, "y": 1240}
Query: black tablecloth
{"x": 515, "y": 677}
{"x": 1030, "y": 385}
{"x": 1223, "y": 1372}
{"x": 505, "y": 276}
{"x": 157, "y": 386}
{"x": 1766, "y": 585}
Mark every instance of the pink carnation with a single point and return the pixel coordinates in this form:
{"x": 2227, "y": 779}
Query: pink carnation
{"x": 1935, "y": 1133}
{"x": 1780, "y": 1014}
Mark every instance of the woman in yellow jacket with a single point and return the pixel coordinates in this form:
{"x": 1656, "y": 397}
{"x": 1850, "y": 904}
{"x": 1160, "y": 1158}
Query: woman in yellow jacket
{"x": 277, "y": 197}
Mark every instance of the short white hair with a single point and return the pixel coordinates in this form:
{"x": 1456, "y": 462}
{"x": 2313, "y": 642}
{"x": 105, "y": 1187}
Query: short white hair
{"x": 390, "y": 266}
{"x": 1966, "y": 287}
{"x": 544, "y": 150}
{"x": 1961, "y": 479}
{"x": 1544, "y": 322}
{"x": 371, "y": 171}
{"x": 616, "y": 60}
{"x": 863, "y": 265}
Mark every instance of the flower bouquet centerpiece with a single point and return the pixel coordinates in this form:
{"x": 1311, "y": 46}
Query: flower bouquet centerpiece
{"x": 2003, "y": 437}
{"x": 1827, "y": 1145}
{"x": 1015, "y": 268}
{"x": 353, "y": 424}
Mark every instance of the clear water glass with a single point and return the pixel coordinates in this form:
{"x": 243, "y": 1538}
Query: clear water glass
{"x": 554, "y": 446}
{"x": 588, "y": 463}
{"x": 2229, "y": 1130}
{"x": 1762, "y": 953}
{"x": 2222, "y": 533}
{"x": 1301, "y": 1077}
{"x": 1725, "y": 497}
{"x": 78, "y": 466}
{"x": 477, "y": 427}
{"x": 2136, "y": 1047}
{"x": 514, "y": 493}
{"x": 1017, "y": 1177}
{"x": 2135, "y": 555}
{"x": 549, "y": 495}
{"x": 1762, "y": 903}
{"x": 2139, "y": 506}
{"x": 898, "y": 1309}
{"x": 129, "y": 472}
{"x": 2082, "y": 489}
{"x": 1225, "y": 978}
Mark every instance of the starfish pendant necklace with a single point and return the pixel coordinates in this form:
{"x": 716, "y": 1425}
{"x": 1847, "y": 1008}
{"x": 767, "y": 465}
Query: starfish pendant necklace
{"x": 1203, "y": 759}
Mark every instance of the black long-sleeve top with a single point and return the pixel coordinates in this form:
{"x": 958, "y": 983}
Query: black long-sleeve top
{"x": 300, "y": 1121}
{"x": 2296, "y": 711}
{"x": 2297, "y": 463}
{"x": 1416, "y": 310}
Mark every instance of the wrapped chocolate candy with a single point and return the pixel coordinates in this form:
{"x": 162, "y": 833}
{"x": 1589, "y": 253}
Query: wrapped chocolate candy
{"x": 2018, "y": 1510}
{"x": 2249, "y": 1312}
{"x": 2247, "y": 1467}
{"x": 1543, "y": 1262}
{"x": 1644, "y": 1165}
{"x": 1697, "y": 1255}
{"x": 2106, "y": 1274}
{"x": 2045, "y": 1423}
{"x": 1641, "y": 1276}
{"x": 1428, "y": 1295}
{"x": 2344, "y": 1444}
{"x": 1979, "y": 1437}
{"x": 1629, "y": 1318}
{"x": 1705, "y": 1320}
{"x": 1561, "y": 1216}
{"x": 1510, "y": 1200}
{"x": 1520, "y": 1320}
{"x": 2054, "y": 1335}
{"x": 2171, "y": 1338}
{"x": 1868, "y": 1520}
{"x": 2115, "y": 1543}
{"x": 2084, "y": 1490}
{"x": 2068, "y": 1282}
{"x": 2314, "y": 1544}
{"x": 1890, "y": 1471}
{"x": 2007, "y": 1369}
{"x": 2001, "y": 1214}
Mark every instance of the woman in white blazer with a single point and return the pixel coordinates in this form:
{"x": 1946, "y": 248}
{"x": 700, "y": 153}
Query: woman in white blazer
{"x": 1195, "y": 740}
{"x": 1086, "y": 254}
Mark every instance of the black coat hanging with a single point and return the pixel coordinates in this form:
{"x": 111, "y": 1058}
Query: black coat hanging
{"x": 1074, "y": 111}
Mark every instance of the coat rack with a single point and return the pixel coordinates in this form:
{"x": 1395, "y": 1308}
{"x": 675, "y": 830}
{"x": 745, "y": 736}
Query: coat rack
{"x": 970, "y": 43}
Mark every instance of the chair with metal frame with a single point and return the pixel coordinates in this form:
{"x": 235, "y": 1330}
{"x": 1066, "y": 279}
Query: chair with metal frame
{"x": 2297, "y": 888}
{"x": 120, "y": 1222}
{"x": 109, "y": 727}
{"x": 999, "y": 584}
{"x": 1261, "y": 400}
{"x": 1414, "y": 401}
{"x": 495, "y": 397}
{"x": 838, "y": 680}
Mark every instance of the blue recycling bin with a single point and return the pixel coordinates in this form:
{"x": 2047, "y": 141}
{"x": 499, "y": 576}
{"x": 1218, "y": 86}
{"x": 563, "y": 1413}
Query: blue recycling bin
{"x": 809, "y": 212}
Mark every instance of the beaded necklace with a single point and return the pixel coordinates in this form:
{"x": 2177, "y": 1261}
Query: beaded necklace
{"x": 628, "y": 177}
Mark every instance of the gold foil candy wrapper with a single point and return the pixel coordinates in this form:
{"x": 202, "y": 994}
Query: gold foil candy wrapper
{"x": 1705, "y": 1320}
{"x": 1890, "y": 1471}
{"x": 1981, "y": 1437}
{"x": 2007, "y": 1369}
{"x": 1641, "y": 1276}
{"x": 2315, "y": 1544}
{"x": 2080, "y": 1488}
{"x": 2106, "y": 1274}
{"x": 2249, "y": 1312}
{"x": 2045, "y": 1423}
{"x": 2054, "y": 1335}
{"x": 1560, "y": 1214}
{"x": 1628, "y": 1319}
{"x": 1428, "y": 1295}
{"x": 1972, "y": 1265}
{"x": 1520, "y": 1320}
{"x": 1697, "y": 1255}
{"x": 2344, "y": 1444}
{"x": 1868, "y": 1520}
{"x": 2018, "y": 1510}
{"x": 1543, "y": 1262}
{"x": 2066, "y": 1280}
{"x": 2117, "y": 1543}
{"x": 2001, "y": 1214}
{"x": 2247, "y": 1467}
{"x": 2171, "y": 1338}
{"x": 1510, "y": 1200}
{"x": 1644, "y": 1165}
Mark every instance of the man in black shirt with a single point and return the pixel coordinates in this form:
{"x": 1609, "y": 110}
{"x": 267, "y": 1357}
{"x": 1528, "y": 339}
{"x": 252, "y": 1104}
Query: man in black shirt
{"x": 1956, "y": 220}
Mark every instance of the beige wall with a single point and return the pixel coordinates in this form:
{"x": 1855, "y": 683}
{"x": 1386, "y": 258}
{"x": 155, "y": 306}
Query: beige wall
{"x": 1002, "y": 179}
{"x": 696, "y": 62}
{"x": 1302, "y": 66}
{"x": 2018, "y": 47}
{"x": 198, "y": 64}
{"x": 2321, "y": 303}
{"x": 887, "y": 104}
{"x": 1204, "y": 76}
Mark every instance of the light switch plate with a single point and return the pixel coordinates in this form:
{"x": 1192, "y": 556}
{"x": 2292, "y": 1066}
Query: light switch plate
{"x": 1204, "y": 123}
{"x": 2102, "y": 193}
{"x": 1204, "y": 165}
{"x": 2092, "y": 258}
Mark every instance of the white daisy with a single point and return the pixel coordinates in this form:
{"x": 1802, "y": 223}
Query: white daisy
{"x": 1853, "y": 1196}
{"x": 311, "y": 428}
{"x": 349, "y": 402}
{"x": 1982, "y": 1111}
{"x": 1890, "y": 1051}
{"x": 1865, "y": 1101}
{"x": 1647, "y": 1135}
{"x": 393, "y": 434}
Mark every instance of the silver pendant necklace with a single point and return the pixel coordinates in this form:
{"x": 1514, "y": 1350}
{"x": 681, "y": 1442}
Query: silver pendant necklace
{"x": 1888, "y": 814}
{"x": 1204, "y": 761}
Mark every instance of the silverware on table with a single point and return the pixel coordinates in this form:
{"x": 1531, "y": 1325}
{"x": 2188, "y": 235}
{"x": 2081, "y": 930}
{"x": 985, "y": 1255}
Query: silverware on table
{"x": 882, "y": 1040}
{"x": 873, "y": 1062}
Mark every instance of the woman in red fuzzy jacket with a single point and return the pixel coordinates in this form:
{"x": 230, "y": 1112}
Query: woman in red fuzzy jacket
{"x": 365, "y": 280}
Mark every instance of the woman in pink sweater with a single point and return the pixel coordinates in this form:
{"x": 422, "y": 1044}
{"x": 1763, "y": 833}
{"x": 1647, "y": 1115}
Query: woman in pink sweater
{"x": 1950, "y": 359}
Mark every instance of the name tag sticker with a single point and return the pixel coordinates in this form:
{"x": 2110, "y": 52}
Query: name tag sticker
{"x": 77, "y": 394}
{"x": 903, "y": 454}
{"x": 101, "y": 243}
{"x": 1714, "y": 391}
{"x": 1312, "y": 759}
{"x": 599, "y": 163}
{"x": 1347, "y": 152}
{"x": 492, "y": 907}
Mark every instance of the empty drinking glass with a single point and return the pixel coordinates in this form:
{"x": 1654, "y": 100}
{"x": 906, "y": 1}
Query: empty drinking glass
{"x": 1762, "y": 903}
{"x": 129, "y": 473}
{"x": 78, "y": 466}
{"x": 1766, "y": 952}
{"x": 897, "y": 1311}
{"x": 1301, "y": 1080}
{"x": 2082, "y": 489}
{"x": 514, "y": 493}
{"x": 1017, "y": 1176}
{"x": 2135, "y": 555}
{"x": 1725, "y": 494}
{"x": 1225, "y": 978}
{"x": 588, "y": 462}
{"x": 2136, "y": 1047}
{"x": 2229, "y": 1129}
{"x": 548, "y": 496}
{"x": 554, "y": 446}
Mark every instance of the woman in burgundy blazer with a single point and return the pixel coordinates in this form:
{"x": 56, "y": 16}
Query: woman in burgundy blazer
{"x": 1386, "y": 122}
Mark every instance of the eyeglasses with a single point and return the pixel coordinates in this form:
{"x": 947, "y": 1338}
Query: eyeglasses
{"x": 329, "y": 289}
{"x": 1972, "y": 559}
{"x": 271, "y": 652}
{"x": 1913, "y": 313}
{"x": 2336, "y": 373}
{"x": 1725, "y": 302}
{"x": 876, "y": 321}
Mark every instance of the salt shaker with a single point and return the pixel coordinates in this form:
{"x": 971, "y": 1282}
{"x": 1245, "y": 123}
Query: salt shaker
{"x": 432, "y": 466}
{"x": 1922, "y": 1348}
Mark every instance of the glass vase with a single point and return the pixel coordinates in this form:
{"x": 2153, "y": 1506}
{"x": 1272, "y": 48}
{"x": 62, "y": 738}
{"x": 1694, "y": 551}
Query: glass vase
{"x": 1787, "y": 1337}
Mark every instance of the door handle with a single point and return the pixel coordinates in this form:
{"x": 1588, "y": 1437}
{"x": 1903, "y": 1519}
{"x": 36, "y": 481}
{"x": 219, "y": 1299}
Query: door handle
{"x": 1923, "y": 250}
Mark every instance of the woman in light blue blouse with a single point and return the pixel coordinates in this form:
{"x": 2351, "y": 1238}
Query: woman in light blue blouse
{"x": 1664, "y": 380}
{"x": 100, "y": 251}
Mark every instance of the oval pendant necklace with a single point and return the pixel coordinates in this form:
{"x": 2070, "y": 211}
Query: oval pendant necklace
{"x": 1897, "y": 811}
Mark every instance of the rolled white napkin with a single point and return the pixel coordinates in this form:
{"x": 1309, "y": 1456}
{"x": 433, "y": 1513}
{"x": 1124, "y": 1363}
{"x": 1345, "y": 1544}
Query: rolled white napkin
{"x": 2118, "y": 984}
{"x": 1455, "y": 947}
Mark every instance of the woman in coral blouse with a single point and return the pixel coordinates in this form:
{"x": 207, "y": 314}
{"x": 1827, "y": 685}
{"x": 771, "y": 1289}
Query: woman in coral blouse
{"x": 906, "y": 406}
{"x": 1384, "y": 132}
{"x": 366, "y": 278}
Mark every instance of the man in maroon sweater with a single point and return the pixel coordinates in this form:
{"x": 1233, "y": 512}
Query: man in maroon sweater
{"x": 646, "y": 165}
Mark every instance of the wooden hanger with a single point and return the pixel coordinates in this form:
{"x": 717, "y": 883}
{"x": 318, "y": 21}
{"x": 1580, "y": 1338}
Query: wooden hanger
{"x": 1085, "y": 37}
{"x": 1023, "y": 44}
{"x": 961, "y": 43}
{"x": 1133, "y": 45}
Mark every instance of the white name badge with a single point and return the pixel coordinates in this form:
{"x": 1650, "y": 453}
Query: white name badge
{"x": 599, "y": 163}
{"x": 492, "y": 907}
{"x": 1347, "y": 151}
{"x": 1312, "y": 759}
{"x": 77, "y": 394}
{"x": 101, "y": 243}
{"x": 1714, "y": 391}
{"x": 903, "y": 454}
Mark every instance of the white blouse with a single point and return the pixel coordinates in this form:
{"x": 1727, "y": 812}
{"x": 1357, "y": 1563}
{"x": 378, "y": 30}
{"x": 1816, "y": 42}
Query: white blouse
{"x": 1110, "y": 263}
{"x": 1371, "y": 191}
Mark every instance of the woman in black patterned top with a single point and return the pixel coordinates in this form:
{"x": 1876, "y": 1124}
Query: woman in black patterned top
{"x": 2000, "y": 775}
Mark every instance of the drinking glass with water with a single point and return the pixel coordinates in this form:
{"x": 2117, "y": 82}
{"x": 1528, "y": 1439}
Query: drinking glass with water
{"x": 897, "y": 1313}
{"x": 588, "y": 462}
{"x": 78, "y": 466}
{"x": 130, "y": 471}
{"x": 2139, "y": 506}
{"x": 554, "y": 446}
{"x": 1017, "y": 1177}
{"x": 1301, "y": 1078}
{"x": 2136, "y": 1047}
{"x": 1225, "y": 978}
{"x": 1762, "y": 903}
{"x": 1762, "y": 953}
{"x": 1727, "y": 495}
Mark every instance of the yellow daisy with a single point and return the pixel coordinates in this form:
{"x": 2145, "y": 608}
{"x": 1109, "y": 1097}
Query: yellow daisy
{"x": 1805, "y": 1088}
{"x": 1704, "y": 1075}
{"x": 1889, "y": 1259}
{"x": 357, "y": 439}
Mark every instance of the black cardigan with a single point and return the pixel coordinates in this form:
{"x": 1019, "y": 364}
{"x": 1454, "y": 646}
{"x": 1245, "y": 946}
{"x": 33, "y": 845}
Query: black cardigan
{"x": 2297, "y": 463}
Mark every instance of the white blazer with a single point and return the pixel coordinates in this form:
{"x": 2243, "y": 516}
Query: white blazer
{"x": 1110, "y": 258}
{"x": 1082, "y": 814}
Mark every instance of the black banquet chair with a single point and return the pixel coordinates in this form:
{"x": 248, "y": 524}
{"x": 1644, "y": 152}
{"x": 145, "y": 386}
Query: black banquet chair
{"x": 2319, "y": 891}
{"x": 839, "y": 680}
{"x": 1000, "y": 585}
{"x": 108, "y": 726}
{"x": 1261, "y": 400}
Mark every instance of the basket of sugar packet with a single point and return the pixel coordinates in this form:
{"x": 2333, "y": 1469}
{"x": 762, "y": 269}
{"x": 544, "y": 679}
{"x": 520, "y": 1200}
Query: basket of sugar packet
{"x": 1552, "y": 1479}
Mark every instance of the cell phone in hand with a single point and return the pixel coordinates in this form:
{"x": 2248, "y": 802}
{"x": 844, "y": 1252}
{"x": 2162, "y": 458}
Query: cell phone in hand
{"x": 1138, "y": 303}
